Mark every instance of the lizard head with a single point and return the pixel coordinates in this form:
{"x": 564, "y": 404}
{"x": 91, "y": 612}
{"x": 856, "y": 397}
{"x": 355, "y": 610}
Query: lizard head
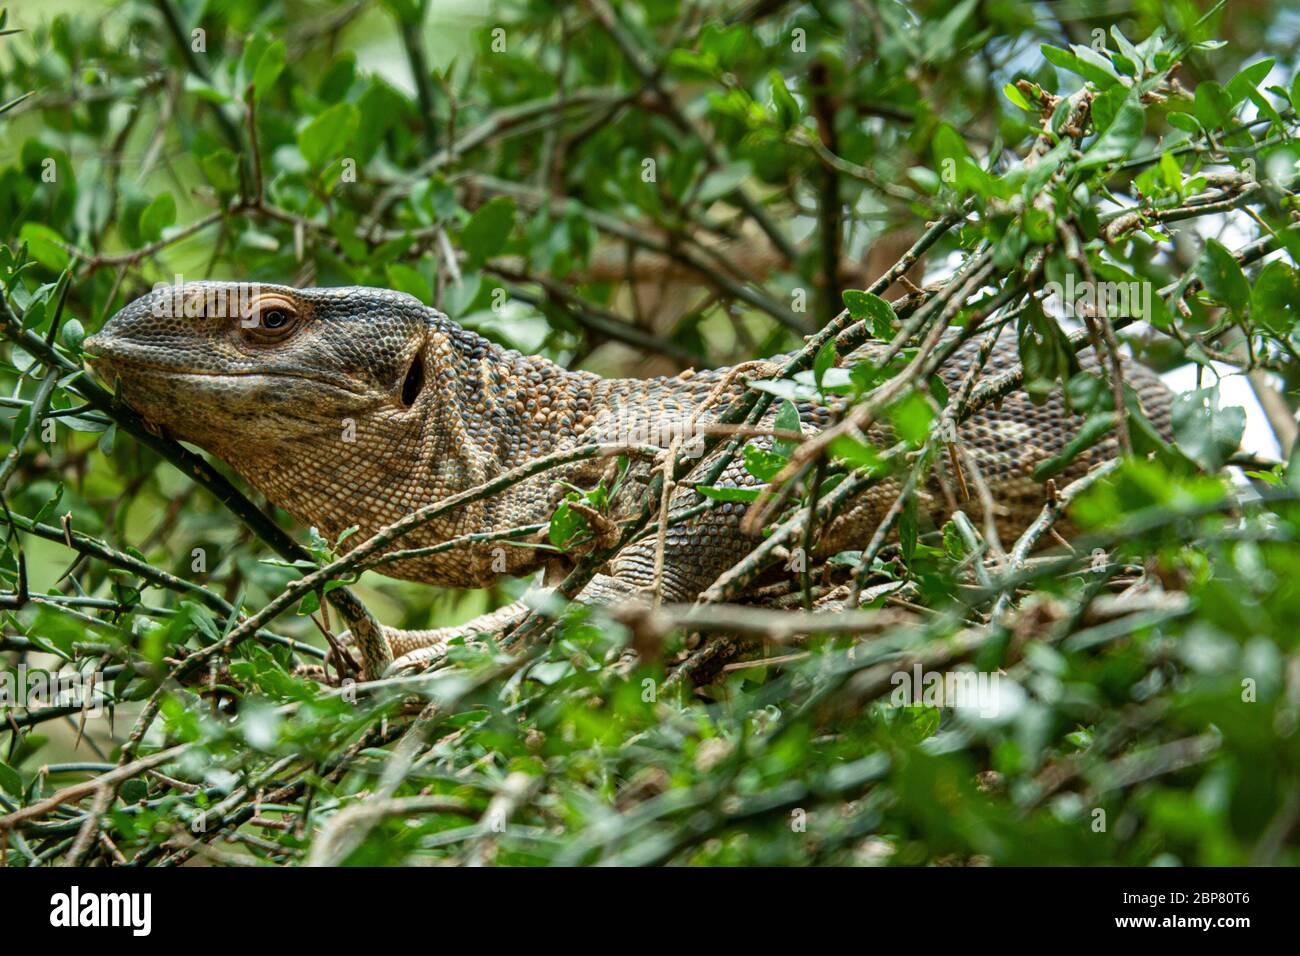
{"x": 243, "y": 368}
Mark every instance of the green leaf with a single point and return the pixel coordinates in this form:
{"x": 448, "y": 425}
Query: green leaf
{"x": 47, "y": 509}
{"x": 953, "y": 545}
{"x": 566, "y": 525}
{"x": 1265, "y": 106}
{"x": 269, "y": 67}
{"x": 925, "y": 178}
{"x": 835, "y": 381}
{"x": 45, "y": 245}
{"x": 908, "y": 528}
{"x": 1222, "y": 277}
{"x": 1012, "y": 92}
{"x": 133, "y": 791}
{"x": 488, "y": 229}
{"x": 723, "y": 181}
{"x": 787, "y": 109}
{"x": 1247, "y": 81}
{"x": 328, "y": 134}
{"x": 1085, "y": 392}
{"x": 825, "y": 360}
{"x": 380, "y": 108}
{"x": 221, "y": 167}
{"x": 459, "y": 297}
{"x": 867, "y": 305}
{"x": 204, "y": 90}
{"x": 309, "y": 604}
{"x": 911, "y": 417}
{"x": 719, "y": 493}
{"x": 1097, "y": 66}
{"x": 762, "y": 463}
{"x": 938, "y": 390}
{"x": 1206, "y": 433}
{"x": 1129, "y": 51}
{"x": 1045, "y": 352}
{"x": 1039, "y": 224}
{"x": 157, "y": 216}
{"x": 33, "y": 316}
{"x": 408, "y": 279}
{"x": 916, "y": 722}
{"x": 1275, "y": 299}
{"x": 1095, "y": 70}
{"x": 787, "y": 420}
{"x": 785, "y": 388}
{"x": 1094, "y": 429}
{"x": 950, "y": 153}
{"x": 1171, "y": 172}
{"x": 1213, "y": 106}
{"x": 79, "y": 424}
{"x": 1120, "y": 137}
{"x": 10, "y": 780}
{"x": 855, "y": 453}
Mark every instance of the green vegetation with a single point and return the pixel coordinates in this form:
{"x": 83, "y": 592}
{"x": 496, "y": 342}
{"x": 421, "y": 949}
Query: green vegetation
{"x": 636, "y": 189}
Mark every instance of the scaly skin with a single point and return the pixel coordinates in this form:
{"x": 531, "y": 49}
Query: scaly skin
{"x": 355, "y": 406}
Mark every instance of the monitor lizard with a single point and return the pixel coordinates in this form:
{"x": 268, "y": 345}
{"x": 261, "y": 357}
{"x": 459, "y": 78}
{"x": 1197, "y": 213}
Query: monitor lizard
{"x": 354, "y": 406}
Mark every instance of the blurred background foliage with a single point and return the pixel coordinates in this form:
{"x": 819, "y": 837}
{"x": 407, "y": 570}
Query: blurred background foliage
{"x": 636, "y": 189}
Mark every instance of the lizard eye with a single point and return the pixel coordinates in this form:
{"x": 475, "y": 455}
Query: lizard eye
{"x": 270, "y": 319}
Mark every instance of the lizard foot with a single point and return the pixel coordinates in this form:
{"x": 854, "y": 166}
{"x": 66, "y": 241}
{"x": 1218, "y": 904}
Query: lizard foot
{"x": 413, "y": 662}
{"x": 415, "y": 651}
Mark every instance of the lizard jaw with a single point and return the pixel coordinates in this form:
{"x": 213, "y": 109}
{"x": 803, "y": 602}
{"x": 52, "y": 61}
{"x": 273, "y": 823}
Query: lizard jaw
{"x": 109, "y": 370}
{"x": 101, "y": 368}
{"x": 109, "y": 377}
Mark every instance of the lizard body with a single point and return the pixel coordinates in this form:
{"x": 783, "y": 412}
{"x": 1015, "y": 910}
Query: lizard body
{"x": 355, "y": 406}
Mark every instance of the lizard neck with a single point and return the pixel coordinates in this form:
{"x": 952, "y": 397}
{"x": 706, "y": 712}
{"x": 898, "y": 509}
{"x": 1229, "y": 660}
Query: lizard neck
{"x": 482, "y": 410}
{"x": 506, "y": 408}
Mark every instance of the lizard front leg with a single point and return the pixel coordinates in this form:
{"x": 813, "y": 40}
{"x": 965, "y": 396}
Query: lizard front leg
{"x": 416, "y": 648}
{"x": 695, "y": 553}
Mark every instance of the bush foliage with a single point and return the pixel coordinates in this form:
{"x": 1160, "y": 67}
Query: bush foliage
{"x": 640, "y": 187}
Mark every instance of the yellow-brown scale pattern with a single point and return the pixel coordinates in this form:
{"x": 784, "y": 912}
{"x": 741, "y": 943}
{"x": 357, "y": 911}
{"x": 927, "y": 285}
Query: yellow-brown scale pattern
{"x": 357, "y": 406}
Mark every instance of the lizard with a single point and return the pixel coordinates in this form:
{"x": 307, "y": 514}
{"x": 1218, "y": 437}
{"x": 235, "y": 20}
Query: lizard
{"x": 351, "y": 407}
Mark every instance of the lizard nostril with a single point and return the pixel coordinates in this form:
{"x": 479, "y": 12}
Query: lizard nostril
{"x": 414, "y": 381}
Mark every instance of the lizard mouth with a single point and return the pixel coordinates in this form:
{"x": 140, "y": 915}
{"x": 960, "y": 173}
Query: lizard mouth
{"x": 110, "y": 366}
{"x": 99, "y": 366}
{"x": 331, "y": 383}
